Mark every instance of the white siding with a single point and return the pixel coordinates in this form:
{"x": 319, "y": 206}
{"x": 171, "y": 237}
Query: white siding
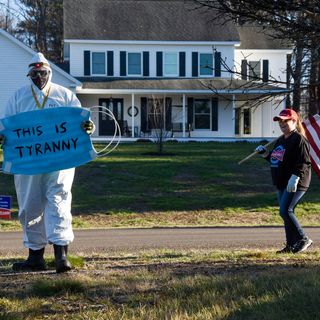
{"x": 277, "y": 61}
{"x": 77, "y": 59}
{"x": 14, "y": 60}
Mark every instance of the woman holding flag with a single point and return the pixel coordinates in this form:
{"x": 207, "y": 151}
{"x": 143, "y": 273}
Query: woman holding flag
{"x": 291, "y": 174}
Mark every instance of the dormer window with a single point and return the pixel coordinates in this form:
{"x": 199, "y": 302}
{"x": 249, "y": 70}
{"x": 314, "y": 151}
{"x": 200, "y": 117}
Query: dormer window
{"x": 170, "y": 64}
{"x": 134, "y": 63}
{"x": 206, "y": 64}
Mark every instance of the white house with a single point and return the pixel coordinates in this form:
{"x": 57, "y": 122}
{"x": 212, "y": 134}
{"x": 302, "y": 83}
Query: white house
{"x": 145, "y": 58}
{"x": 14, "y": 61}
{"x": 140, "y": 53}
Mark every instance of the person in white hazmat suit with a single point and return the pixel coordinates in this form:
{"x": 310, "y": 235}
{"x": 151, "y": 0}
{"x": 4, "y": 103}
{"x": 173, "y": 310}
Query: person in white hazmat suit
{"x": 44, "y": 199}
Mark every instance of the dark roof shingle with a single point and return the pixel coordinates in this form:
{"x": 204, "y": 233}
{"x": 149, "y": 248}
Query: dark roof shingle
{"x": 145, "y": 20}
{"x": 256, "y": 37}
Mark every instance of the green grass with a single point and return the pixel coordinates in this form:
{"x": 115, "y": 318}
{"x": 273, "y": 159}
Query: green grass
{"x": 198, "y": 184}
{"x": 170, "y": 284}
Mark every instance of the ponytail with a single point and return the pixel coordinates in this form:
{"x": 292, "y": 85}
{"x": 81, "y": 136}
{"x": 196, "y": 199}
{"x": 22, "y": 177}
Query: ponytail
{"x": 300, "y": 128}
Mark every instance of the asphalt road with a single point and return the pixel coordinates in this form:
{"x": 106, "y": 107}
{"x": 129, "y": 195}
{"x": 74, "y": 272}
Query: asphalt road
{"x": 113, "y": 240}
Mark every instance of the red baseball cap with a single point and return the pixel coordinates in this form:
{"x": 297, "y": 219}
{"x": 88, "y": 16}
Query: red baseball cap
{"x": 286, "y": 114}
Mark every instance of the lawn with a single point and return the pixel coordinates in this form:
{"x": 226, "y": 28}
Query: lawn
{"x": 194, "y": 184}
{"x": 168, "y": 285}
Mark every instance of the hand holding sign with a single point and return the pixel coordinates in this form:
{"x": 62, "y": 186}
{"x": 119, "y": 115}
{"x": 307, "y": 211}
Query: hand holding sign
{"x": 46, "y": 140}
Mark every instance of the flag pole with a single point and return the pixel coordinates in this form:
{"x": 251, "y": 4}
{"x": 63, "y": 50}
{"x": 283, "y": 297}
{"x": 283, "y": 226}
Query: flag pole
{"x": 255, "y": 152}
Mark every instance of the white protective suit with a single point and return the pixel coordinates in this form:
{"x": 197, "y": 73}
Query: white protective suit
{"x": 45, "y": 199}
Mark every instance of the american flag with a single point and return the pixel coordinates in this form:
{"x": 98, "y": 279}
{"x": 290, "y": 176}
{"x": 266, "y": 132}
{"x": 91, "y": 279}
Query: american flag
{"x": 312, "y": 127}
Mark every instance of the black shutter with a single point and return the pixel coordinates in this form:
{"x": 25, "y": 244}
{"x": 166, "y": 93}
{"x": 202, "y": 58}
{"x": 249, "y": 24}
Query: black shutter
{"x": 265, "y": 70}
{"x": 244, "y": 69}
{"x": 159, "y": 64}
{"x": 214, "y": 114}
{"x": 217, "y": 64}
{"x": 182, "y": 64}
{"x": 87, "y": 63}
{"x": 194, "y": 64}
{"x": 145, "y": 57}
{"x": 190, "y": 113}
{"x": 110, "y": 63}
{"x": 168, "y": 113}
{"x": 144, "y": 114}
{"x": 123, "y": 63}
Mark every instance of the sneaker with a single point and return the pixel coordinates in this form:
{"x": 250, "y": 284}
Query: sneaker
{"x": 286, "y": 249}
{"x": 302, "y": 245}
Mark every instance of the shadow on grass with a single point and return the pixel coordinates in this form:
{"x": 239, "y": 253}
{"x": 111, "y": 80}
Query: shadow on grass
{"x": 223, "y": 290}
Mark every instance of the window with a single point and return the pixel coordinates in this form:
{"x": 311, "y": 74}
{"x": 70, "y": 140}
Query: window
{"x": 170, "y": 63}
{"x": 202, "y": 114}
{"x": 206, "y": 64}
{"x": 134, "y": 63}
{"x": 155, "y": 114}
{"x": 98, "y": 63}
{"x": 246, "y": 121}
{"x": 254, "y": 70}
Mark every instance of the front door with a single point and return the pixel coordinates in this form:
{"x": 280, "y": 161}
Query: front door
{"x": 106, "y": 123}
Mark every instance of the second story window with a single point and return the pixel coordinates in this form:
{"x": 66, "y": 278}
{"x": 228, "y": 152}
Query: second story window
{"x": 134, "y": 63}
{"x": 206, "y": 64}
{"x": 98, "y": 63}
{"x": 254, "y": 70}
{"x": 170, "y": 64}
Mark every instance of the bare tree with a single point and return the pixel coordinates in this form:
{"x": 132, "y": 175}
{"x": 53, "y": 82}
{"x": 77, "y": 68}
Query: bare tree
{"x": 159, "y": 120}
{"x": 296, "y": 22}
{"x": 41, "y": 26}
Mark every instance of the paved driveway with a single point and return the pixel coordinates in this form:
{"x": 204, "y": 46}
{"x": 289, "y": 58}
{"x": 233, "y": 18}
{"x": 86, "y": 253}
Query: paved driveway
{"x": 112, "y": 240}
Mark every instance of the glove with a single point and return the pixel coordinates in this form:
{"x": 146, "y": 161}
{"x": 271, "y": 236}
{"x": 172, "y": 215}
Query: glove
{"x": 88, "y": 127}
{"x": 261, "y": 150}
{"x": 293, "y": 183}
{"x": 1, "y": 141}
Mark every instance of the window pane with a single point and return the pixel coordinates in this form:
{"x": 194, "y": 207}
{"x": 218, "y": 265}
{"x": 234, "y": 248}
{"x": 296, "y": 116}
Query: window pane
{"x": 254, "y": 69}
{"x": 98, "y": 63}
{"x": 202, "y": 114}
{"x": 171, "y": 58}
{"x": 134, "y": 63}
{"x": 202, "y": 122}
{"x": 202, "y": 106}
{"x": 155, "y": 114}
{"x": 206, "y": 64}
{"x": 170, "y": 63}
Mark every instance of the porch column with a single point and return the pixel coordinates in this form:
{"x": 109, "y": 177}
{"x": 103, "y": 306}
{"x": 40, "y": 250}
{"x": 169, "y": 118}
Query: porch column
{"x": 183, "y": 115}
{"x": 132, "y": 115}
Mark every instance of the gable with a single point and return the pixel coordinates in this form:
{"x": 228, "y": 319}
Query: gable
{"x": 14, "y": 60}
{"x": 142, "y": 20}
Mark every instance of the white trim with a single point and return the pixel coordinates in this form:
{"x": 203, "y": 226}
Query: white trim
{"x": 205, "y": 43}
{"x": 152, "y": 91}
{"x": 265, "y": 50}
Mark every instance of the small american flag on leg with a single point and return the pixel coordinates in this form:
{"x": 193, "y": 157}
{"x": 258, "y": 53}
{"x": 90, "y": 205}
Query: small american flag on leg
{"x": 312, "y": 128}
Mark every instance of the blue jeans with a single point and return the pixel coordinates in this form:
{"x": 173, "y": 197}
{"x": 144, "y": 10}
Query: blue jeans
{"x": 288, "y": 201}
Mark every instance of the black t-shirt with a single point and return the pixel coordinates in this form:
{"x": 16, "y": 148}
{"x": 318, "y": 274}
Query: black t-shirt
{"x": 290, "y": 156}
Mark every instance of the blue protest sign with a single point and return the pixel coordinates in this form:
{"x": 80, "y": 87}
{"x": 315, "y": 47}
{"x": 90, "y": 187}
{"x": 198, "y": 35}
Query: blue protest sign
{"x": 47, "y": 140}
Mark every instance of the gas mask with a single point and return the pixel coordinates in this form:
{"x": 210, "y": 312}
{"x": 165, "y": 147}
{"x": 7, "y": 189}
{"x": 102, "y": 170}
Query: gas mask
{"x": 39, "y": 76}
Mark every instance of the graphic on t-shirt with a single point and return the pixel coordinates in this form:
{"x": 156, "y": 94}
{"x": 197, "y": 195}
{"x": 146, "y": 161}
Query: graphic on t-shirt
{"x": 277, "y": 155}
